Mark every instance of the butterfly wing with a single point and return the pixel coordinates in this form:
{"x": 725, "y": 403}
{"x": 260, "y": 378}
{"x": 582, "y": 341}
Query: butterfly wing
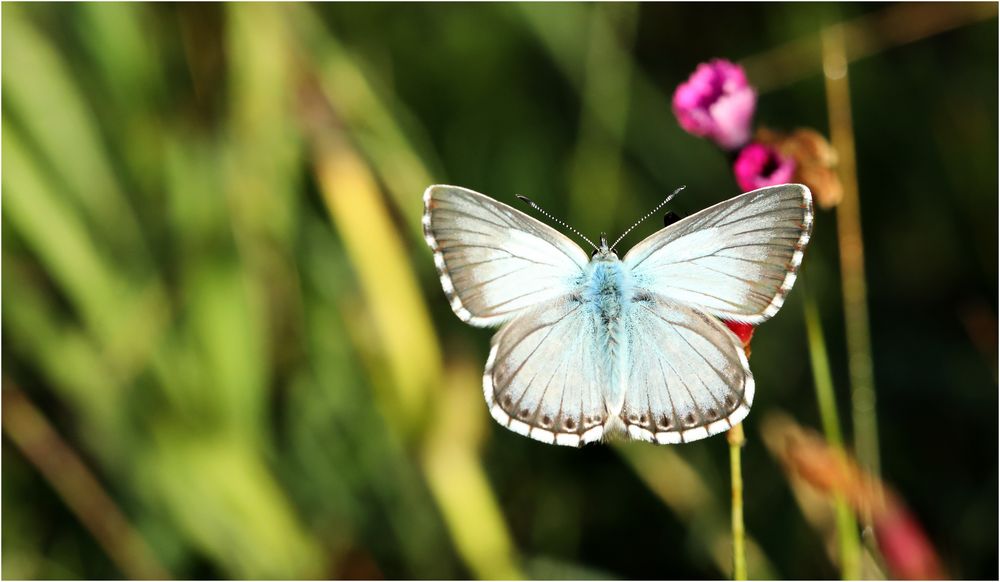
{"x": 543, "y": 377}
{"x": 736, "y": 260}
{"x": 688, "y": 377}
{"x": 494, "y": 261}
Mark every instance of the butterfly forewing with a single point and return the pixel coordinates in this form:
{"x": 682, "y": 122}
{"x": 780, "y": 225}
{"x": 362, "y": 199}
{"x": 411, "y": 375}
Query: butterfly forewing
{"x": 736, "y": 260}
{"x": 493, "y": 260}
{"x": 688, "y": 377}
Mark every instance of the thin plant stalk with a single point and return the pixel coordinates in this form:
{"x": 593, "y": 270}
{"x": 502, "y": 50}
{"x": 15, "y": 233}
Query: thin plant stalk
{"x": 682, "y": 489}
{"x": 851, "y": 246}
{"x": 736, "y": 440}
{"x": 848, "y": 541}
{"x": 36, "y": 438}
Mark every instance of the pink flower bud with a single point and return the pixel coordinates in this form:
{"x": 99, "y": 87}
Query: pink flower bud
{"x": 907, "y": 551}
{"x": 759, "y": 165}
{"x": 717, "y": 103}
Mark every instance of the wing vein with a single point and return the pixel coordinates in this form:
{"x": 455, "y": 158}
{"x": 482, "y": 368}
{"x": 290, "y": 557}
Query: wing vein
{"x": 517, "y": 371}
{"x": 672, "y": 325}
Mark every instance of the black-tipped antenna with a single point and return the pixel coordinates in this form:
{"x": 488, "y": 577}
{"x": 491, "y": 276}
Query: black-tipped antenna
{"x": 553, "y": 218}
{"x": 651, "y": 212}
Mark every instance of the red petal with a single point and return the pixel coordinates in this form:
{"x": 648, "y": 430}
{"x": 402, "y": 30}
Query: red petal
{"x": 744, "y": 331}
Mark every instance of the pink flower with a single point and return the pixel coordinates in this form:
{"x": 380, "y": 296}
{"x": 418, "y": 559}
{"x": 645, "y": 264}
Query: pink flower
{"x": 759, "y": 165}
{"x": 716, "y": 102}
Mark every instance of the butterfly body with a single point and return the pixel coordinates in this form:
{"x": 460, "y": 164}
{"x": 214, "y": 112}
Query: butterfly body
{"x": 605, "y": 294}
{"x": 591, "y": 347}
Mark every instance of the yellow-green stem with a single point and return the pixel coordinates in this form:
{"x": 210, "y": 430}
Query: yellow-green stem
{"x": 822, "y": 377}
{"x": 736, "y": 439}
{"x": 848, "y": 541}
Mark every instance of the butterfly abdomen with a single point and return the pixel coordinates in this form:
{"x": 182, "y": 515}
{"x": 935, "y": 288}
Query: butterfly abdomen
{"x": 606, "y": 291}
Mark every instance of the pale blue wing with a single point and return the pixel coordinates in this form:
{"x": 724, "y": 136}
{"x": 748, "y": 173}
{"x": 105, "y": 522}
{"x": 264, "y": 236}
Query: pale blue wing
{"x": 494, "y": 261}
{"x": 688, "y": 376}
{"x": 736, "y": 260}
{"x": 543, "y": 377}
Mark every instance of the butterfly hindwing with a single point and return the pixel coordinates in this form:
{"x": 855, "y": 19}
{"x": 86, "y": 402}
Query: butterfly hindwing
{"x": 543, "y": 378}
{"x": 688, "y": 377}
{"x": 495, "y": 261}
{"x": 736, "y": 260}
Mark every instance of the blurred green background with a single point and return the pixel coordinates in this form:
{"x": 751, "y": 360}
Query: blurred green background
{"x": 226, "y": 352}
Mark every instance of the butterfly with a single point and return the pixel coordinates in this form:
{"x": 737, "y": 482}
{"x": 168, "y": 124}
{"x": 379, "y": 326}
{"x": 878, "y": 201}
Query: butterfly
{"x": 594, "y": 346}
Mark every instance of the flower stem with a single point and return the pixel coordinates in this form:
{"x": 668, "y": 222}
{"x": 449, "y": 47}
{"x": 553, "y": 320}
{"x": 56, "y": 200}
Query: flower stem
{"x": 736, "y": 439}
{"x": 822, "y": 377}
{"x": 848, "y": 541}
{"x": 852, "y": 263}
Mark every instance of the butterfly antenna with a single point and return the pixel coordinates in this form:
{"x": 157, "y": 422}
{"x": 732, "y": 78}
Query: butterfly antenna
{"x": 651, "y": 212}
{"x": 554, "y": 219}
